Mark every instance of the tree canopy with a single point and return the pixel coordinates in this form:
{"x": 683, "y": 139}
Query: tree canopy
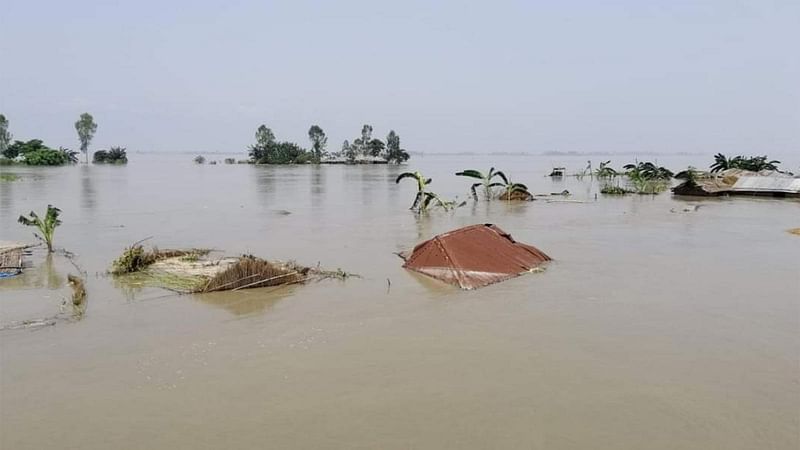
{"x": 86, "y": 127}
{"x": 267, "y": 150}
{"x": 318, "y": 142}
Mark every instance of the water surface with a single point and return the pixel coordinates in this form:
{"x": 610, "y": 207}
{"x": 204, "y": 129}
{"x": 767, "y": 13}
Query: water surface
{"x": 654, "y": 327}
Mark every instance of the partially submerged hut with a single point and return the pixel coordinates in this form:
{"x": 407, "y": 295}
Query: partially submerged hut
{"x": 474, "y": 256}
{"x": 768, "y": 183}
{"x": 11, "y": 258}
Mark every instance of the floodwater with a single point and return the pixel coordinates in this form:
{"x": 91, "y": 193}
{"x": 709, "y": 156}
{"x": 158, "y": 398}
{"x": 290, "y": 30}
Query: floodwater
{"x": 657, "y": 326}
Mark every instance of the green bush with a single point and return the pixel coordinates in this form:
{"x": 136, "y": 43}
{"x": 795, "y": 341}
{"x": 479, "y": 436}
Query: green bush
{"x": 46, "y": 157}
{"x": 279, "y": 153}
{"x": 35, "y": 153}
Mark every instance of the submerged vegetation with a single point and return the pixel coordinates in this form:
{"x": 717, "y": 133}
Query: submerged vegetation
{"x": 513, "y": 191}
{"x": 485, "y": 183}
{"x": 424, "y": 198}
{"x": 611, "y": 189}
{"x": 46, "y": 226}
{"x": 647, "y": 177}
{"x": 114, "y": 155}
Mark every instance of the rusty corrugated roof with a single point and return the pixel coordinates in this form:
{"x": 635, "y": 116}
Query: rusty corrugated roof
{"x": 474, "y": 256}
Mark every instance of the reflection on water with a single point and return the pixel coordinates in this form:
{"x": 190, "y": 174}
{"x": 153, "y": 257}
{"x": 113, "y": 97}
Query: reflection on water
{"x": 247, "y": 301}
{"x": 87, "y": 188}
{"x": 42, "y": 275}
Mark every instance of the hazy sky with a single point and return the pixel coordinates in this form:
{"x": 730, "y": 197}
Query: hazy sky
{"x": 628, "y": 75}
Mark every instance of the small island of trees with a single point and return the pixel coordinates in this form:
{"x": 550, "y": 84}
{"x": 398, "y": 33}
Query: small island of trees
{"x": 364, "y": 149}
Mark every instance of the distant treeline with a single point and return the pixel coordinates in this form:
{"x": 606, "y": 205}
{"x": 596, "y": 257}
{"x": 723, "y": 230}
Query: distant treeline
{"x": 266, "y": 150}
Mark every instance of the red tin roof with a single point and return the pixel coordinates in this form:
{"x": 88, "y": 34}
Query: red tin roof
{"x": 474, "y": 256}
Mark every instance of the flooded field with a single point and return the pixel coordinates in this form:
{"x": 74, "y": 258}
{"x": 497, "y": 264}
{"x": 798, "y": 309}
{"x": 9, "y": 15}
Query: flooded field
{"x": 658, "y": 325}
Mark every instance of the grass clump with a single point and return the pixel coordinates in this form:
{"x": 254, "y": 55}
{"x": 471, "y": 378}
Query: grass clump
{"x": 8, "y": 177}
{"x": 614, "y": 190}
{"x": 135, "y": 258}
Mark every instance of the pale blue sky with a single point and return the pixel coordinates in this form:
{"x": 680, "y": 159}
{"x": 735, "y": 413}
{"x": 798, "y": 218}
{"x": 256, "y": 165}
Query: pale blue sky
{"x": 669, "y": 76}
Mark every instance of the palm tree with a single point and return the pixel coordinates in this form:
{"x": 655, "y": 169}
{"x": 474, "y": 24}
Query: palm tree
{"x": 46, "y": 227}
{"x": 486, "y": 181}
{"x": 422, "y": 183}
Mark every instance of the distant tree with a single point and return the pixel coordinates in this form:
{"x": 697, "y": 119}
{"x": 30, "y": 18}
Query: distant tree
{"x": 86, "y": 127}
{"x": 264, "y": 136}
{"x": 5, "y": 136}
{"x": 318, "y": 143}
{"x": 350, "y": 152}
{"x": 265, "y": 139}
{"x": 362, "y": 144}
{"x": 200, "y": 159}
{"x": 268, "y": 150}
{"x": 393, "y": 152}
{"x": 376, "y": 147}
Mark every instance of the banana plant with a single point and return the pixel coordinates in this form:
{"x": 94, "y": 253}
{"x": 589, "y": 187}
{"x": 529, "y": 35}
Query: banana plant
{"x": 604, "y": 171}
{"x": 431, "y": 198}
{"x": 510, "y": 188}
{"x": 422, "y": 184}
{"x": 486, "y": 181}
{"x": 46, "y": 227}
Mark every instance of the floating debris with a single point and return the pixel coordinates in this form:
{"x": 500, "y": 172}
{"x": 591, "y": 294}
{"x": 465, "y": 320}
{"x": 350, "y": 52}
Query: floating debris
{"x": 795, "y": 231}
{"x": 78, "y": 289}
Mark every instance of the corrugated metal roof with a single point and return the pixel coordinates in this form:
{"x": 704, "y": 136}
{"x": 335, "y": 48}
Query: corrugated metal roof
{"x": 474, "y": 256}
{"x": 767, "y": 184}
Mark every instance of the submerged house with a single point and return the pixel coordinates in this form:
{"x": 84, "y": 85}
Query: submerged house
{"x": 474, "y": 256}
{"x": 742, "y": 182}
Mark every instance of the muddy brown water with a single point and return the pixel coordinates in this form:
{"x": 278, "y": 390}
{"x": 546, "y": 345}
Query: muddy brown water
{"x": 654, "y": 327}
